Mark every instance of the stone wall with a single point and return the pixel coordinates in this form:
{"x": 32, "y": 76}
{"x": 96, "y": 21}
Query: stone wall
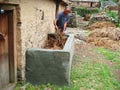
{"x": 36, "y": 21}
{"x": 37, "y": 18}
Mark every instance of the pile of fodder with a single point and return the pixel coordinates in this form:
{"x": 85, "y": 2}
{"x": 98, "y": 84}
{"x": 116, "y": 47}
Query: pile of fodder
{"x": 100, "y": 25}
{"x": 56, "y": 41}
{"x": 106, "y": 37}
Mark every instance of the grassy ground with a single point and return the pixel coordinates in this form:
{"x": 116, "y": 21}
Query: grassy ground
{"x": 93, "y": 69}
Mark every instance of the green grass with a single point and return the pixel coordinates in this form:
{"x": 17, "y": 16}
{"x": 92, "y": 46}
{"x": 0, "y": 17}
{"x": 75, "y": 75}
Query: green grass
{"x": 94, "y": 77}
{"x": 109, "y": 55}
{"x": 86, "y": 75}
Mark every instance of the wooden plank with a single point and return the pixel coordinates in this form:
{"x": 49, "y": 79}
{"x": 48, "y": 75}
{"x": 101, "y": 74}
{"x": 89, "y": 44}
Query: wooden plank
{"x": 4, "y": 60}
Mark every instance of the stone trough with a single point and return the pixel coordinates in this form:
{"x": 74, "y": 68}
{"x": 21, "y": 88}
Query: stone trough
{"x": 45, "y": 66}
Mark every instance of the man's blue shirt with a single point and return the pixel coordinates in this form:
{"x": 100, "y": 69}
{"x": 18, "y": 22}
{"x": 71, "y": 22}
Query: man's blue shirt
{"x": 61, "y": 19}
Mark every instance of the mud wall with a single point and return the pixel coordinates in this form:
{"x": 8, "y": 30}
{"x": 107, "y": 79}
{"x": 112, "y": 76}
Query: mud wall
{"x": 34, "y": 22}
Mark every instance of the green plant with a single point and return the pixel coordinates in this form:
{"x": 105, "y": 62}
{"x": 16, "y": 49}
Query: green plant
{"x": 107, "y": 0}
{"x": 88, "y": 76}
{"x": 115, "y": 1}
{"x": 113, "y": 16}
{"x": 83, "y": 11}
{"x": 119, "y": 25}
{"x": 100, "y": 1}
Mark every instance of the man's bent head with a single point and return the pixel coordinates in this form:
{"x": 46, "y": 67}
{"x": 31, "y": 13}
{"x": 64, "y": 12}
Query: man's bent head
{"x": 67, "y": 10}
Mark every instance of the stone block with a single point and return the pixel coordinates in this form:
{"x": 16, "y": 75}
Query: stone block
{"x": 45, "y": 66}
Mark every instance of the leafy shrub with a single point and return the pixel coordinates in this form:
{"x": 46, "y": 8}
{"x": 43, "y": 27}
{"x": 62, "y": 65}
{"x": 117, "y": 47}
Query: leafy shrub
{"x": 113, "y": 16}
{"x": 107, "y": 0}
{"x": 83, "y": 11}
{"x": 115, "y": 1}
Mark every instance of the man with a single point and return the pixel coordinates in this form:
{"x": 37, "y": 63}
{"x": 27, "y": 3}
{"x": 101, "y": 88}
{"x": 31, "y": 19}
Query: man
{"x": 62, "y": 19}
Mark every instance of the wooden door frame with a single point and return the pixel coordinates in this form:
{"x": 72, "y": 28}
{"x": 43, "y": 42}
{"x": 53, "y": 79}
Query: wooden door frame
{"x": 57, "y": 7}
{"x": 11, "y": 46}
{"x": 12, "y": 22}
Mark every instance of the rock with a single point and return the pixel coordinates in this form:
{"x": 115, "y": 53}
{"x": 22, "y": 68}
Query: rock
{"x": 80, "y": 37}
{"x": 99, "y": 18}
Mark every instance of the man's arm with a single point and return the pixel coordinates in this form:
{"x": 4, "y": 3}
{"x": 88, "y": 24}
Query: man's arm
{"x": 55, "y": 23}
{"x": 65, "y": 25}
{"x": 56, "y": 19}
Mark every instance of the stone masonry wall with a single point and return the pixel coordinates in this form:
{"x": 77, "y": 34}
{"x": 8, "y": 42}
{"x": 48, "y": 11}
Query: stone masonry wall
{"x": 36, "y": 17}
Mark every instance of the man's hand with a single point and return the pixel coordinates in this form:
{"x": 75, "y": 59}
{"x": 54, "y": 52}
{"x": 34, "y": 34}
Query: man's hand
{"x": 56, "y": 27}
{"x": 64, "y": 31}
